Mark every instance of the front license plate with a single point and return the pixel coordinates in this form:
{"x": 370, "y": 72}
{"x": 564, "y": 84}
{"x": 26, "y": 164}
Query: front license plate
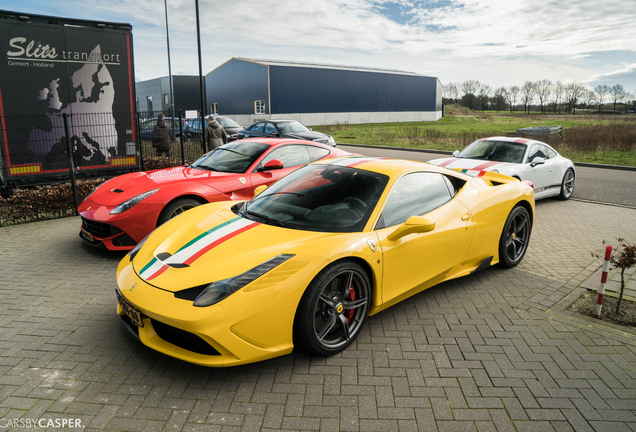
{"x": 88, "y": 236}
{"x": 129, "y": 310}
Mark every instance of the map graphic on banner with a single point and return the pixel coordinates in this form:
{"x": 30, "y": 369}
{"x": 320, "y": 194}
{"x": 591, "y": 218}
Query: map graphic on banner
{"x": 94, "y": 94}
{"x": 52, "y": 70}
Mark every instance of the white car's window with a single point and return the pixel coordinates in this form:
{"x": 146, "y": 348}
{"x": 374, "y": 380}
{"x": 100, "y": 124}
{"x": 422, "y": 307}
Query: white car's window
{"x": 538, "y": 150}
{"x": 492, "y": 150}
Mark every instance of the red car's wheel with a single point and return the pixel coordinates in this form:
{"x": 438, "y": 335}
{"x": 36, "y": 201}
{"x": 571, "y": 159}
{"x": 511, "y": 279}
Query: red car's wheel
{"x": 175, "y": 208}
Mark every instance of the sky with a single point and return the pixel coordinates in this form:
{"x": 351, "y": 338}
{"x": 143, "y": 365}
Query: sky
{"x": 497, "y": 42}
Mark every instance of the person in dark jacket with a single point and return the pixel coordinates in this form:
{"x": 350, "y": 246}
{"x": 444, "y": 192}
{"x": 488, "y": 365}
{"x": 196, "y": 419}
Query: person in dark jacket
{"x": 161, "y": 137}
{"x": 215, "y": 135}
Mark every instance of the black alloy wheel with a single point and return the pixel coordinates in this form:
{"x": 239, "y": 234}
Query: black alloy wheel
{"x": 333, "y": 309}
{"x": 567, "y": 185}
{"x": 515, "y": 237}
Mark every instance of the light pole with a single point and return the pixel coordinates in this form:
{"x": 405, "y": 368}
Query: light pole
{"x": 203, "y": 141}
{"x": 169, "y": 66}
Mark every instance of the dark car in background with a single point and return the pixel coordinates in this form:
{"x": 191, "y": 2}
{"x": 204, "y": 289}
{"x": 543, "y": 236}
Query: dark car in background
{"x": 147, "y": 127}
{"x": 284, "y": 129}
{"x": 231, "y": 127}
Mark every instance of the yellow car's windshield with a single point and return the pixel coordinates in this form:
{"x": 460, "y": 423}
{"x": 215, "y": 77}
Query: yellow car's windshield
{"x": 325, "y": 198}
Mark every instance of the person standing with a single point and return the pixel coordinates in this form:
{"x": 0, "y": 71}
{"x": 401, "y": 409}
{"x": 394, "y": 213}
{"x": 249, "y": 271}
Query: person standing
{"x": 161, "y": 137}
{"x": 215, "y": 135}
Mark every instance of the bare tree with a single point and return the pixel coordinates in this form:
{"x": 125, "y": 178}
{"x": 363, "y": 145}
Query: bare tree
{"x": 601, "y": 92}
{"x": 484, "y": 94}
{"x": 451, "y": 91}
{"x": 527, "y": 94}
{"x": 558, "y": 90}
{"x": 590, "y": 98}
{"x": 512, "y": 93}
{"x": 469, "y": 88}
{"x": 500, "y": 98}
{"x": 617, "y": 93}
{"x": 543, "y": 88}
{"x": 573, "y": 93}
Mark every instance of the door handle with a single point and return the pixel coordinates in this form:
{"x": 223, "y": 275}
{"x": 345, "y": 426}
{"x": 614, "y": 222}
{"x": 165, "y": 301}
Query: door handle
{"x": 466, "y": 217}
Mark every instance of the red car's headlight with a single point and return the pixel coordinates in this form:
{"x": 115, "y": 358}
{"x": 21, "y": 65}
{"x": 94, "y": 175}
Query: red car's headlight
{"x": 127, "y": 205}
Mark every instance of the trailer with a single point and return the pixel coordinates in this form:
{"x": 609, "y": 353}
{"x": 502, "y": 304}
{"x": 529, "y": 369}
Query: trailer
{"x": 67, "y": 99}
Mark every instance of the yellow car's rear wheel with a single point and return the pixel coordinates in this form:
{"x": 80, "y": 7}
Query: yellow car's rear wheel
{"x": 333, "y": 309}
{"x": 515, "y": 237}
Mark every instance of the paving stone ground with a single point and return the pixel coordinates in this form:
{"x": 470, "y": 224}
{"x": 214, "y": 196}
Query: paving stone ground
{"x": 490, "y": 352}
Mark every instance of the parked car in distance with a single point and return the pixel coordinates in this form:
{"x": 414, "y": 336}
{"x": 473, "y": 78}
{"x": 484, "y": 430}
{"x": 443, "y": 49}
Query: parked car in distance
{"x": 230, "y": 126}
{"x": 147, "y": 127}
{"x": 285, "y": 129}
{"x": 122, "y": 211}
{"x": 551, "y": 174}
{"x": 305, "y": 262}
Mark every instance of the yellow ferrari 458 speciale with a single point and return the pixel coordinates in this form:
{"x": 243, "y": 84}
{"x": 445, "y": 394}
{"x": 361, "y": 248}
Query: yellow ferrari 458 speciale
{"x": 306, "y": 261}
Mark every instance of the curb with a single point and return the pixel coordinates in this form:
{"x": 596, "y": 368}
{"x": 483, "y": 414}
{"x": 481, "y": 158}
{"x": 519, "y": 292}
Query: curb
{"x": 581, "y": 164}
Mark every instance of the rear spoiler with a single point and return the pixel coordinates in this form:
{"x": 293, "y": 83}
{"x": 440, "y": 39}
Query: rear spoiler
{"x": 491, "y": 178}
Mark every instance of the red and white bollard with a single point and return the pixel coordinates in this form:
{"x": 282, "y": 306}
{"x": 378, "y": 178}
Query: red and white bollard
{"x": 601, "y": 290}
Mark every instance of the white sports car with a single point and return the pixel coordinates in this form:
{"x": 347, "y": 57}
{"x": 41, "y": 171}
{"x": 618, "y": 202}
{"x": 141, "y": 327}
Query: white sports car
{"x": 525, "y": 159}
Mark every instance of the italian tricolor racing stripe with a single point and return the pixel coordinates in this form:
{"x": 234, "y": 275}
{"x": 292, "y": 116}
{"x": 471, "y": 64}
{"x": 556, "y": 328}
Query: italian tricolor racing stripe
{"x": 198, "y": 246}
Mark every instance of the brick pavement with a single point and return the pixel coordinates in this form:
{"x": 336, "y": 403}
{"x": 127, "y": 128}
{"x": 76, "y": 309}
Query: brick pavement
{"x": 489, "y": 352}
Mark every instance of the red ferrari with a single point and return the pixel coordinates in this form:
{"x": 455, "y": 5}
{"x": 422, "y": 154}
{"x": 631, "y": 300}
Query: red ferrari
{"x": 120, "y": 212}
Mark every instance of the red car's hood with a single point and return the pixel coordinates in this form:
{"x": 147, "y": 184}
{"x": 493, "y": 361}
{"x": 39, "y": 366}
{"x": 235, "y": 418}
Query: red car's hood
{"x": 124, "y": 187}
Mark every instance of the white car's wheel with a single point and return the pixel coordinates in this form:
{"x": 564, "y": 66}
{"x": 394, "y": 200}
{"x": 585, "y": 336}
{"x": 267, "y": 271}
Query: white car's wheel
{"x": 567, "y": 185}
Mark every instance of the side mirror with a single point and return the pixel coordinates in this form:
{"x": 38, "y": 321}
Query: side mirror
{"x": 455, "y": 153}
{"x": 273, "y": 164}
{"x": 537, "y": 161}
{"x": 259, "y": 189}
{"x": 414, "y": 224}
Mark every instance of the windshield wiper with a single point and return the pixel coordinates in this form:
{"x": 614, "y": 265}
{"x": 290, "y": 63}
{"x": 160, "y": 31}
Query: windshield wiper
{"x": 268, "y": 220}
{"x": 233, "y": 151}
{"x": 203, "y": 167}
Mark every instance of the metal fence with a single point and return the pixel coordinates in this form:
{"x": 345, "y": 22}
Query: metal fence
{"x": 186, "y": 141}
{"x": 55, "y": 147}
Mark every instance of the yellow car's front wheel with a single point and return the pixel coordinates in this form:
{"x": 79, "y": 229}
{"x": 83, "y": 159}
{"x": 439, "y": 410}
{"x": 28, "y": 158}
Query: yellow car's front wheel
{"x": 333, "y": 309}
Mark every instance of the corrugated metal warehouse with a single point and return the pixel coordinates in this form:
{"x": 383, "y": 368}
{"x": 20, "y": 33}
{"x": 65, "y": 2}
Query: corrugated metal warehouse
{"x": 153, "y": 96}
{"x": 247, "y": 90}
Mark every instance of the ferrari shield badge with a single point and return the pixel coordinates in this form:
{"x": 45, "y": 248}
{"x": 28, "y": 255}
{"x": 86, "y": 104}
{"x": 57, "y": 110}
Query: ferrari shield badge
{"x": 372, "y": 245}
{"x": 242, "y": 180}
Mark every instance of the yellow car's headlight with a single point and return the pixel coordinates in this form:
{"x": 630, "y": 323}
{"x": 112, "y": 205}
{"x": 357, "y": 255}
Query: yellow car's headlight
{"x": 219, "y": 290}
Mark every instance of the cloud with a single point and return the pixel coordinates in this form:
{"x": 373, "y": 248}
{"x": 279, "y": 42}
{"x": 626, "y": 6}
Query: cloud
{"x": 496, "y": 41}
{"x": 625, "y": 76}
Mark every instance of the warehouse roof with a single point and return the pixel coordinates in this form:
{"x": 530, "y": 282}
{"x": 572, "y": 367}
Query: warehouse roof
{"x": 324, "y": 66}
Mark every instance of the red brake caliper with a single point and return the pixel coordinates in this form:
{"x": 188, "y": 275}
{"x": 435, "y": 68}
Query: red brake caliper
{"x": 349, "y": 312}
